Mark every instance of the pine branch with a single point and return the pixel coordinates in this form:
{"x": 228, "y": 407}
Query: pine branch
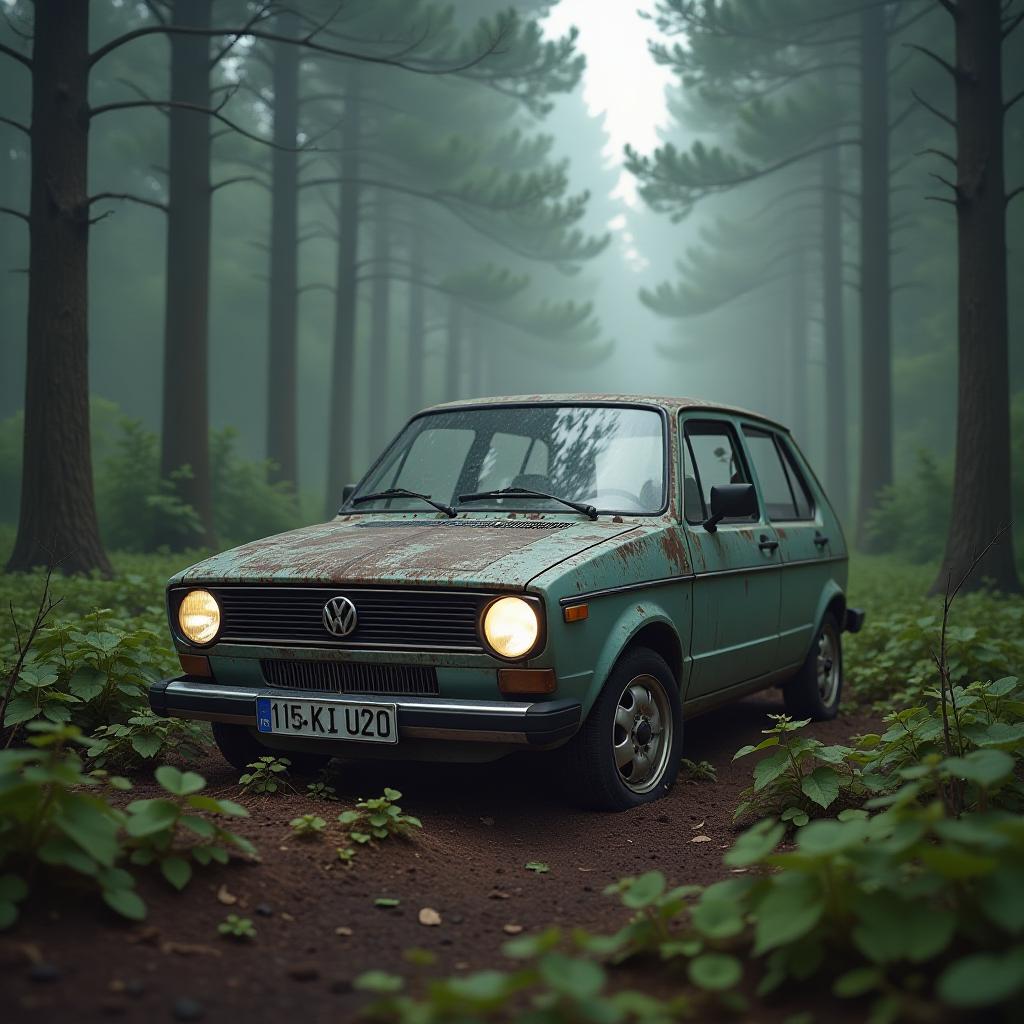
{"x": 273, "y": 37}
{"x": 259, "y": 15}
{"x": 239, "y": 178}
{"x": 941, "y": 61}
{"x": 951, "y": 8}
{"x": 1012, "y": 100}
{"x": 14, "y": 55}
{"x": 127, "y": 197}
{"x": 15, "y": 213}
{"x": 16, "y": 124}
{"x": 1013, "y": 195}
{"x": 933, "y": 110}
{"x": 1012, "y": 24}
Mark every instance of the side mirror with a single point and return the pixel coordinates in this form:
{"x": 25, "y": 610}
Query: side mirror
{"x": 346, "y": 492}
{"x": 730, "y": 501}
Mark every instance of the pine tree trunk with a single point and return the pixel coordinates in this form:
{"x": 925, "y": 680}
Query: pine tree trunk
{"x": 417, "y": 326}
{"x": 875, "y": 289}
{"x": 981, "y": 482}
{"x": 797, "y": 375}
{"x": 282, "y": 382}
{"x": 185, "y": 436}
{"x": 57, "y": 521}
{"x": 453, "y": 352}
{"x": 339, "y": 445}
{"x": 380, "y": 298}
{"x": 832, "y": 308}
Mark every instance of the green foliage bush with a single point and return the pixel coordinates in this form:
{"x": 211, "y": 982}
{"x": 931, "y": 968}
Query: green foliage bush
{"x": 54, "y": 815}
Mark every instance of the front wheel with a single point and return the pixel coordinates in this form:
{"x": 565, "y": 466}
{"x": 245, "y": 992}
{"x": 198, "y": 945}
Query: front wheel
{"x": 815, "y": 690}
{"x": 627, "y": 751}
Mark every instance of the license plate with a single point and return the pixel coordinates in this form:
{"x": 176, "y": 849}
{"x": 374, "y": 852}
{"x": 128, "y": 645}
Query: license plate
{"x": 328, "y": 719}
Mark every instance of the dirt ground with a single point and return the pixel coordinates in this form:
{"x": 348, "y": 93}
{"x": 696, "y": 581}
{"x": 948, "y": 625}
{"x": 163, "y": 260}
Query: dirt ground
{"x": 71, "y": 959}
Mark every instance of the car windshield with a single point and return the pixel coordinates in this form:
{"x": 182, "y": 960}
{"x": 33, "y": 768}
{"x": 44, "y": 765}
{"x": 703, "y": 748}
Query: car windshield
{"x": 611, "y": 457}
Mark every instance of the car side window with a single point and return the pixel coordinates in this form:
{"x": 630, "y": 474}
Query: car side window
{"x": 712, "y": 457}
{"x": 801, "y": 492}
{"x": 783, "y": 490}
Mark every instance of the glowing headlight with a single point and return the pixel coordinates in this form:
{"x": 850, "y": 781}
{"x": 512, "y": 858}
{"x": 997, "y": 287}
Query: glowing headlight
{"x": 511, "y": 627}
{"x": 199, "y": 616}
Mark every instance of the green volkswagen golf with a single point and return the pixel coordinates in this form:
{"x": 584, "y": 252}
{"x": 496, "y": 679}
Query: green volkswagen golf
{"x": 567, "y": 573}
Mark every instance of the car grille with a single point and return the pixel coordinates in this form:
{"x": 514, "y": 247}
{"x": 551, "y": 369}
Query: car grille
{"x": 293, "y": 616}
{"x": 350, "y": 677}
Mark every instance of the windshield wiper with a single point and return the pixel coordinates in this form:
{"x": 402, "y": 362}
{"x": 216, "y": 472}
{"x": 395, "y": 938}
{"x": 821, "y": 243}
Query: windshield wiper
{"x": 526, "y": 492}
{"x": 401, "y": 492}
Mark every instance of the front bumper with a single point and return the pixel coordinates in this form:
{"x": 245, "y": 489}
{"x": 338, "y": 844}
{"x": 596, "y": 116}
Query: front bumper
{"x": 436, "y": 718}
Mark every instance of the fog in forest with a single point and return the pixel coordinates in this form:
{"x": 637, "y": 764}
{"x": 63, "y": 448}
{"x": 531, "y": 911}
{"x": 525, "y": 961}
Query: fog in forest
{"x": 307, "y": 226}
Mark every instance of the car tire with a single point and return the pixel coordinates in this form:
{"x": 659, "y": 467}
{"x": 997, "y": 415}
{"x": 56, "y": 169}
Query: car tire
{"x": 595, "y": 775}
{"x": 240, "y": 748}
{"x": 814, "y": 692}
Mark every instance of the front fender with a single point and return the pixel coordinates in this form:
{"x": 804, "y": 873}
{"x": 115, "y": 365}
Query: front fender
{"x": 644, "y": 611}
{"x": 829, "y": 592}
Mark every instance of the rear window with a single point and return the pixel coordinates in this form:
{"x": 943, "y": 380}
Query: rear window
{"x": 782, "y": 487}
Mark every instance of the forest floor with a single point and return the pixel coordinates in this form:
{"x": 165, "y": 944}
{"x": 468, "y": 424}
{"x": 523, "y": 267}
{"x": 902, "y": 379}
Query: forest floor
{"x": 317, "y": 923}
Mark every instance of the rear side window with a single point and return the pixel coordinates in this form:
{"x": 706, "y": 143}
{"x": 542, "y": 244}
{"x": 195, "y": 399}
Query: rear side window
{"x": 801, "y": 492}
{"x": 711, "y": 457}
{"x": 785, "y": 496}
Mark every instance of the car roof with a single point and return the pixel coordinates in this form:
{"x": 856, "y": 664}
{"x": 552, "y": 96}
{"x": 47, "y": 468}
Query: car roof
{"x": 673, "y": 403}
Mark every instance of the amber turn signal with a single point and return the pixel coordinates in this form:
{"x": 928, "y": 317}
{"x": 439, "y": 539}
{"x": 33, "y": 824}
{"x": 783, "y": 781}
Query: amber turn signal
{"x": 196, "y": 665}
{"x": 576, "y": 612}
{"x": 526, "y": 680}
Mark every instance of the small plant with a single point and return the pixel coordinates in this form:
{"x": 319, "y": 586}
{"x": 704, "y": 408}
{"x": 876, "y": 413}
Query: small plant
{"x": 801, "y": 774}
{"x": 321, "y": 791}
{"x": 697, "y": 771}
{"x": 386, "y": 902}
{"x": 537, "y": 867}
{"x": 238, "y": 928}
{"x": 144, "y": 737}
{"x": 267, "y": 775}
{"x": 378, "y": 819}
{"x": 346, "y": 855}
{"x": 308, "y": 826}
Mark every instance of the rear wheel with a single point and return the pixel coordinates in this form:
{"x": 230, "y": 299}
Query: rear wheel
{"x": 240, "y": 748}
{"x": 627, "y": 751}
{"x": 815, "y": 690}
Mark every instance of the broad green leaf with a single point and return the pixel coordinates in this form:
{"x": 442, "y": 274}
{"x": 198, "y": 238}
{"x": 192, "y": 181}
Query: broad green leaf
{"x": 146, "y": 745}
{"x": 892, "y": 929}
{"x": 176, "y": 870}
{"x": 771, "y": 741}
{"x": 792, "y": 907}
{"x": 821, "y": 786}
{"x": 154, "y": 816}
{"x": 580, "y": 979}
{"x": 87, "y": 682}
{"x": 177, "y": 782}
{"x": 826, "y": 838}
{"x": 200, "y": 826}
{"x": 84, "y": 821}
{"x": 769, "y": 768}
{"x": 13, "y": 888}
{"x": 984, "y": 768}
{"x": 1001, "y": 896}
{"x": 952, "y": 863}
{"x": 644, "y": 890}
{"x": 717, "y": 919}
{"x": 858, "y": 982}
{"x": 983, "y": 979}
{"x": 755, "y": 844}
{"x": 125, "y": 902}
{"x": 378, "y": 982}
{"x": 715, "y": 972}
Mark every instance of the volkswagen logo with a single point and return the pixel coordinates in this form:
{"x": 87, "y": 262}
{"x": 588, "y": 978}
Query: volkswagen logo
{"x": 340, "y": 616}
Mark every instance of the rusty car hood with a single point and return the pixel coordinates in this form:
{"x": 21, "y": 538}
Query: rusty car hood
{"x": 504, "y": 553}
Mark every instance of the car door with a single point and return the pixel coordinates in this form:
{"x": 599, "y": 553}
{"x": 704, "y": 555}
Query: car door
{"x": 804, "y": 543}
{"x": 736, "y": 590}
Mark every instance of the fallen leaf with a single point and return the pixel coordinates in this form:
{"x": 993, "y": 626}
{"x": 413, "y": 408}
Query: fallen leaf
{"x": 701, "y": 839}
{"x": 343, "y": 930}
{"x": 188, "y": 948}
{"x": 228, "y": 898}
{"x": 429, "y": 917}
{"x": 512, "y": 929}
{"x": 285, "y": 916}
{"x": 584, "y": 869}
{"x": 499, "y": 895}
{"x": 696, "y": 828}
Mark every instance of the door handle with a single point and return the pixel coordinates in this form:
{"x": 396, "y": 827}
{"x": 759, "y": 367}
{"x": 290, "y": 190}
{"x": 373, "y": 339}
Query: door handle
{"x": 766, "y": 543}
{"x": 820, "y": 539}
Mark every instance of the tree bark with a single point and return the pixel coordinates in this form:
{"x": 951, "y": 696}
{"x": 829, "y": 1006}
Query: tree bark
{"x": 832, "y": 312}
{"x": 339, "y": 445}
{"x": 185, "y": 436}
{"x": 453, "y": 352}
{"x": 981, "y": 481}
{"x": 797, "y": 375}
{"x": 417, "y": 326}
{"x": 282, "y": 358}
{"x": 380, "y": 298}
{"x": 875, "y": 289}
{"x": 57, "y": 520}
